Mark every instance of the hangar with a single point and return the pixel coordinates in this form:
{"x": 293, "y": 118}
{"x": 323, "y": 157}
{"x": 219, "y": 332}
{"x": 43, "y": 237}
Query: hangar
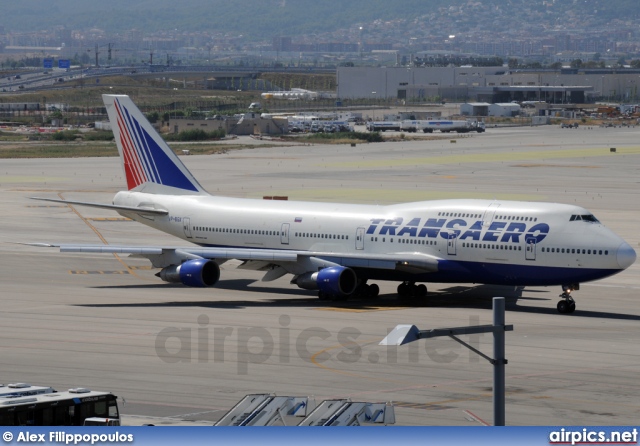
{"x": 508, "y": 109}
{"x": 475, "y": 109}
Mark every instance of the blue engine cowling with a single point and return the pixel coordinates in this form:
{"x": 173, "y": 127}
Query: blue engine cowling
{"x": 195, "y": 273}
{"x": 333, "y": 281}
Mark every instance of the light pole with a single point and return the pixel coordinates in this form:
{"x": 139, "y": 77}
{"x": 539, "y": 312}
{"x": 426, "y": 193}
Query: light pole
{"x": 403, "y": 334}
{"x": 373, "y": 112}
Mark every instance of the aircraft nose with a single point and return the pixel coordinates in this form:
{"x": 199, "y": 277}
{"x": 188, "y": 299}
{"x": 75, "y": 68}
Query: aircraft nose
{"x": 625, "y": 255}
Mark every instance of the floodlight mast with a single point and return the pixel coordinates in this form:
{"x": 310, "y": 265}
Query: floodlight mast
{"x": 403, "y": 334}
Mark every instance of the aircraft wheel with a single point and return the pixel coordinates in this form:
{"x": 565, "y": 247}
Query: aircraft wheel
{"x": 374, "y": 291}
{"x": 563, "y": 307}
{"x": 421, "y": 290}
{"x": 572, "y": 307}
{"x": 407, "y": 290}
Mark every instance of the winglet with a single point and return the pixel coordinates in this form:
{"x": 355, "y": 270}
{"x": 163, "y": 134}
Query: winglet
{"x": 149, "y": 163}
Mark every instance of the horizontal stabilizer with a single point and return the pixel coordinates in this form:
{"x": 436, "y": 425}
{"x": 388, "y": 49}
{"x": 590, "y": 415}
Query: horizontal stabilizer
{"x": 138, "y": 210}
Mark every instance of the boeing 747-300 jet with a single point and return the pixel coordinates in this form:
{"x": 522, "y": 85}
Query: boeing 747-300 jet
{"x": 338, "y": 248}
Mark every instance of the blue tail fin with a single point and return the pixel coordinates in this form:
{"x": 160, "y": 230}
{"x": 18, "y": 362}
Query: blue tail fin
{"x": 149, "y": 163}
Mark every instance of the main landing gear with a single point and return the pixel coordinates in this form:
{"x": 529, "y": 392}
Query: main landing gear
{"x": 567, "y": 305}
{"x": 409, "y": 291}
{"x": 362, "y": 291}
{"x": 366, "y": 291}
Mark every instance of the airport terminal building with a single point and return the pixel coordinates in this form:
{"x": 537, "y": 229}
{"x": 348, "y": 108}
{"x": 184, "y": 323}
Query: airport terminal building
{"x": 487, "y": 84}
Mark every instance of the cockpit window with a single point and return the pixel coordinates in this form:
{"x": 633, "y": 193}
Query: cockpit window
{"x": 589, "y": 217}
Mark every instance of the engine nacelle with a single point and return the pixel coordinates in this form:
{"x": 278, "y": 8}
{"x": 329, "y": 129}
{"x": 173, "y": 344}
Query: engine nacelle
{"x": 196, "y": 273}
{"x": 334, "y": 281}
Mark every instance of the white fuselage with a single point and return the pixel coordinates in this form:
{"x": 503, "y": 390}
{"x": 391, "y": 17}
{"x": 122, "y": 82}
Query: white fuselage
{"x": 476, "y": 241}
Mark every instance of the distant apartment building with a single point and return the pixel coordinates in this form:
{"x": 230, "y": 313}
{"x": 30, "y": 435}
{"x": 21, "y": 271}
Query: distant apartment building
{"x": 282, "y": 44}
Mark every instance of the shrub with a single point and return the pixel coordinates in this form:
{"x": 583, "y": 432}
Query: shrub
{"x": 369, "y": 136}
{"x": 153, "y": 117}
{"x": 99, "y": 135}
{"x": 65, "y": 135}
{"x": 196, "y": 135}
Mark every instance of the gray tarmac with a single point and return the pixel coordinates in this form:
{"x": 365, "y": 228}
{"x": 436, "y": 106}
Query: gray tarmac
{"x": 185, "y": 356}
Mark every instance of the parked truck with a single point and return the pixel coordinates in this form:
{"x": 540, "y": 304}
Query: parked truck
{"x": 445, "y": 126}
{"x": 382, "y": 126}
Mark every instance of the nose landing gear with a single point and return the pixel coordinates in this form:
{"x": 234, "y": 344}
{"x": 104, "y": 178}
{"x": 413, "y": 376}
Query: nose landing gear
{"x": 567, "y": 305}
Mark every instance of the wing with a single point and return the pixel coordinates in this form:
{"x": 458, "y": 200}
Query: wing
{"x": 294, "y": 262}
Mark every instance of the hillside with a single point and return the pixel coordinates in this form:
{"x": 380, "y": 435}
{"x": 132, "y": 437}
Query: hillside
{"x": 264, "y": 19}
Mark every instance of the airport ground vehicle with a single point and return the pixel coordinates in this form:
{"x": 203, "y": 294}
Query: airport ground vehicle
{"x": 102, "y": 421}
{"x": 70, "y": 408}
{"x": 382, "y": 126}
{"x": 445, "y": 126}
{"x": 23, "y": 389}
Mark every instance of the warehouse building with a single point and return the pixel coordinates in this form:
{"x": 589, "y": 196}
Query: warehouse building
{"x": 507, "y": 110}
{"x": 486, "y": 84}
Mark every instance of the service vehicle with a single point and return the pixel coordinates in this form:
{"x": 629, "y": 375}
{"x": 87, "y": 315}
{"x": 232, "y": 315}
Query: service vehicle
{"x": 445, "y": 126}
{"x": 70, "y": 408}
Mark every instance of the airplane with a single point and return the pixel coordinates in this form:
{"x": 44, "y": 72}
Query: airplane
{"x": 337, "y": 249}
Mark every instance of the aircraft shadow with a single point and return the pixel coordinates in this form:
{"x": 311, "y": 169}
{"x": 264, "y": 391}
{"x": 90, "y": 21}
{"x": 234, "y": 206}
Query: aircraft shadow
{"x": 229, "y": 285}
{"x": 475, "y": 297}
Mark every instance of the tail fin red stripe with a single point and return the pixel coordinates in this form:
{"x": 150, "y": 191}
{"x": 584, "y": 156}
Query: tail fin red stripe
{"x": 133, "y": 167}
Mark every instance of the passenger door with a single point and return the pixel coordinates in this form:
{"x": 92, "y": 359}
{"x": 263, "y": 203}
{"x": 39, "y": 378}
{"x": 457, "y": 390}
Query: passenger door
{"x": 186, "y": 224}
{"x": 451, "y": 243}
{"x": 530, "y": 249}
{"x": 284, "y": 234}
{"x": 360, "y": 238}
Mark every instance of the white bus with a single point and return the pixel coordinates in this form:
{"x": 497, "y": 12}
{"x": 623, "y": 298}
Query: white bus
{"x": 69, "y": 408}
{"x": 23, "y": 389}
